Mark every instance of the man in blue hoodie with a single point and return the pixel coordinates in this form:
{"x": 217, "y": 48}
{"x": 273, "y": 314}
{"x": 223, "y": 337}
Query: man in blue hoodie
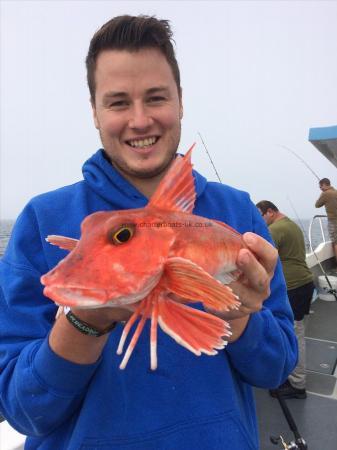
{"x": 59, "y": 380}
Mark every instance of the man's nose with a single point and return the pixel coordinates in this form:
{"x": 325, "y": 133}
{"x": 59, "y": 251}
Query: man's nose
{"x": 140, "y": 118}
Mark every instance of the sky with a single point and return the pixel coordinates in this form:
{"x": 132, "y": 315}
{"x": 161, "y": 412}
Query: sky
{"x": 256, "y": 76}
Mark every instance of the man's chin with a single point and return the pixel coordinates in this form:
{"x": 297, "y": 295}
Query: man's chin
{"x": 143, "y": 172}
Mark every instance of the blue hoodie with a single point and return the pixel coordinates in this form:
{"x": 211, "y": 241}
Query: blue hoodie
{"x": 189, "y": 402}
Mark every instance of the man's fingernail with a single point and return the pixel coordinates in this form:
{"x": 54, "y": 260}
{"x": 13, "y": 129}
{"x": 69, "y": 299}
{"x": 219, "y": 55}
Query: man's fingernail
{"x": 244, "y": 258}
{"x": 249, "y": 239}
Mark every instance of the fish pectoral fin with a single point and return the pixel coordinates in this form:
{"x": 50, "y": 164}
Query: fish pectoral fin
{"x": 176, "y": 191}
{"x": 63, "y": 242}
{"x": 198, "y": 331}
{"x": 192, "y": 282}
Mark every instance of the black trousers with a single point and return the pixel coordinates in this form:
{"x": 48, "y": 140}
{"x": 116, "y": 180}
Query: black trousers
{"x": 300, "y": 299}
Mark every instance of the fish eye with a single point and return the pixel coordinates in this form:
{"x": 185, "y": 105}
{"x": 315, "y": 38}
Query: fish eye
{"x": 122, "y": 235}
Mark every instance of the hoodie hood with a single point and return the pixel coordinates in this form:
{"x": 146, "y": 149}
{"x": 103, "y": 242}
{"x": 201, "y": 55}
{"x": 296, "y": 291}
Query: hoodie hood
{"x": 110, "y": 185}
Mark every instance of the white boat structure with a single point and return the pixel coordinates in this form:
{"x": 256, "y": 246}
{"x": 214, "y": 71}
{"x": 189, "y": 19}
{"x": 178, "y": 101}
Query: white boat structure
{"x": 315, "y": 417}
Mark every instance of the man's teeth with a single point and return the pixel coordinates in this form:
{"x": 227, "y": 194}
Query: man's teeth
{"x": 141, "y": 143}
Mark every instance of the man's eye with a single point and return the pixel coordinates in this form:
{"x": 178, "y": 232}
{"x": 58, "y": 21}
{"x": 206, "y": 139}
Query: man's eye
{"x": 156, "y": 99}
{"x": 118, "y": 104}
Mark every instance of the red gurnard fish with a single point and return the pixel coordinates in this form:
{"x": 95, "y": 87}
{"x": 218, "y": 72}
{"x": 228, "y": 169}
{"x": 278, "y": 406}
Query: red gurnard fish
{"x": 153, "y": 261}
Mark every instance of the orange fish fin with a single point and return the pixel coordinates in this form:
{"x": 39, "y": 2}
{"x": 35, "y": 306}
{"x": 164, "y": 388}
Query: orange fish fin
{"x": 195, "y": 330}
{"x": 192, "y": 282}
{"x": 153, "y": 337}
{"x": 228, "y": 228}
{"x": 143, "y": 311}
{"x": 63, "y": 242}
{"x": 176, "y": 191}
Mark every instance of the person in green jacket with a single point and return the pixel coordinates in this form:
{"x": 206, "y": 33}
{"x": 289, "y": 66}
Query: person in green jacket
{"x": 289, "y": 242}
{"x": 328, "y": 198}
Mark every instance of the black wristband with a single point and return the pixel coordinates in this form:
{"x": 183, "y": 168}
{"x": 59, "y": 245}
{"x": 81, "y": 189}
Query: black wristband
{"x": 86, "y": 328}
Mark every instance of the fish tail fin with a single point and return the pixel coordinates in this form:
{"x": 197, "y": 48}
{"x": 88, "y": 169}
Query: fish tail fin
{"x": 195, "y": 330}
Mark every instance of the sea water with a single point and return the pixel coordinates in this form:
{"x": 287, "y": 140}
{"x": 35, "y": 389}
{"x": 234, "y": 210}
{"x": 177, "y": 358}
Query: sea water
{"x": 5, "y": 232}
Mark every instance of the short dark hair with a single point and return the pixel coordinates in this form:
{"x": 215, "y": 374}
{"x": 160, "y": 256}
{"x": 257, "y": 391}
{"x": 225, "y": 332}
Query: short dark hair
{"x": 264, "y": 205}
{"x": 132, "y": 33}
{"x": 325, "y": 181}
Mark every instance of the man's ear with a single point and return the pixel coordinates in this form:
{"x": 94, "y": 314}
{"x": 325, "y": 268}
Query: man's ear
{"x": 181, "y": 111}
{"x": 94, "y": 113}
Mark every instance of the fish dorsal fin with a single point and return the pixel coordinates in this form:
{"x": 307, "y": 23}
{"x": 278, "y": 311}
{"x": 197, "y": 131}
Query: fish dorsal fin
{"x": 63, "y": 242}
{"x": 176, "y": 191}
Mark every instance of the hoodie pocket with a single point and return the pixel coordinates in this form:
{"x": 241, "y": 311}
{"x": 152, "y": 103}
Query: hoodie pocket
{"x": 212, "y": 433}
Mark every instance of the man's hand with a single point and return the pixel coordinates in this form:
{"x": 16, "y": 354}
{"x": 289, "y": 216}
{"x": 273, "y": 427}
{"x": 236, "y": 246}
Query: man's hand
{"x": 77, "y": 347}
{"x": 257, "y": 263}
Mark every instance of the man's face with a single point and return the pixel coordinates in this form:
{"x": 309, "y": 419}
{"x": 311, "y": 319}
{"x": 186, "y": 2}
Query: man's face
{"x": 323, "y": 187}
{"x": 137, "y": 111}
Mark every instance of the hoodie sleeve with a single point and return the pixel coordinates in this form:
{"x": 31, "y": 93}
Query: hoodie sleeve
{"x": 38, "y": 389}
{"x": 266, "y": 352}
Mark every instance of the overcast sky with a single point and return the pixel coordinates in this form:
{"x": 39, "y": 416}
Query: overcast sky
{"x": 255, "y": 75}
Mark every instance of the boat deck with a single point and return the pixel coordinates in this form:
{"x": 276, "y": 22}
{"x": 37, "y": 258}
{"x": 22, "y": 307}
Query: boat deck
{"x": 316, "y": 416}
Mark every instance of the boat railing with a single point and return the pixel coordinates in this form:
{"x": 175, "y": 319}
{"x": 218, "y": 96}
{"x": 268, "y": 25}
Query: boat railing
{"x": 319, "y": 217}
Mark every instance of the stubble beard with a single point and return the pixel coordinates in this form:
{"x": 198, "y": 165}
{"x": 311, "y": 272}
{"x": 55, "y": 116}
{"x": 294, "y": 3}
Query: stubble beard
{"x": 125, "y": 169}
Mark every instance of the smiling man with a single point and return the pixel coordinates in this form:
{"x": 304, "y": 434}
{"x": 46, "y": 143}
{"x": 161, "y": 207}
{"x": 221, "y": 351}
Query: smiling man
{"x": 59, "y": 380}
{"x": 137, "y": 110}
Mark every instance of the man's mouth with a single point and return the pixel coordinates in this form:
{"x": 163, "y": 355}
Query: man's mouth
{"x": 143, "y": 143}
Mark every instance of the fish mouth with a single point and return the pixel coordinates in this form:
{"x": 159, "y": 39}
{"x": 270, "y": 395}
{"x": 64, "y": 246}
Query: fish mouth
{"x": 75, "y": 296}
{"x": 82, "y": 297}
{"x": 89, "y": 298}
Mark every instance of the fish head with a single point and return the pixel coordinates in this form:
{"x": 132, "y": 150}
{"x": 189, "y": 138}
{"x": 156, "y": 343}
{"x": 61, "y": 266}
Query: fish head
{"x": 118, "y": 260}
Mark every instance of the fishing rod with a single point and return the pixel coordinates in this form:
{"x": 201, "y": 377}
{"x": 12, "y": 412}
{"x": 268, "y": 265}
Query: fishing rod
{"x": 301, "y": 159}
{"x": 298, "y": 219}
{"x": 209, "y": 156}
{"x": 299, "y": 443}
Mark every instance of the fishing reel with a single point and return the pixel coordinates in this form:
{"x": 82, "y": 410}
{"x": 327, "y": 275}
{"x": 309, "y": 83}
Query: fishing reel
{"x": 298, "y": 444}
